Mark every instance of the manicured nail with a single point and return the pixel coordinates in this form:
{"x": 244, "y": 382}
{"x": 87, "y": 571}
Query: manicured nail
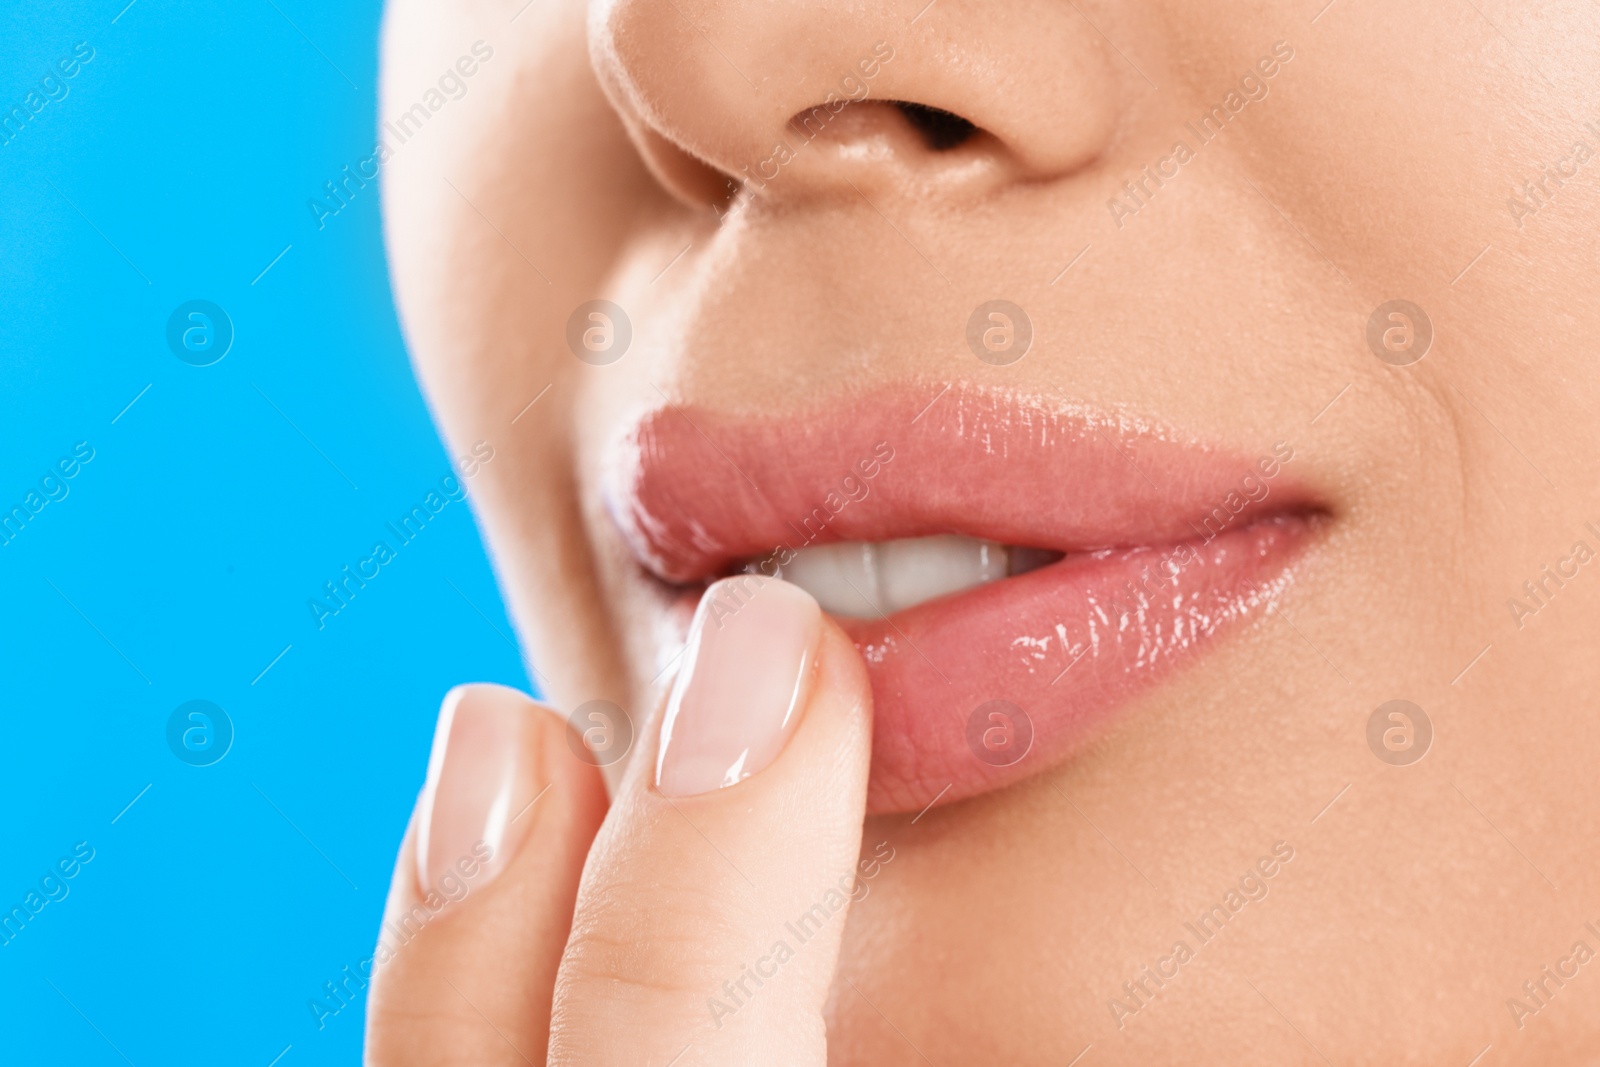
{"x": 481, "y": 779}
{"x": 739, "y": 693}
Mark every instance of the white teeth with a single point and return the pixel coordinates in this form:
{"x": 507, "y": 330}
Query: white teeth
{"x": 865, "y": 580}
{"x": 921, "y": 568}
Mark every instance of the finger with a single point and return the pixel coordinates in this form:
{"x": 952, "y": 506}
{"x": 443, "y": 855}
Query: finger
{"x": 482, "y": 894}
{"x": 708, "y": 922}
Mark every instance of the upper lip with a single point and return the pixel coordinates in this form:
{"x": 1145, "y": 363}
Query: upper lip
{"x": 696, "y": 492}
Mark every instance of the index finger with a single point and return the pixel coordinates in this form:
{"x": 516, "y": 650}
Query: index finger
{"x": 709, "y": 917}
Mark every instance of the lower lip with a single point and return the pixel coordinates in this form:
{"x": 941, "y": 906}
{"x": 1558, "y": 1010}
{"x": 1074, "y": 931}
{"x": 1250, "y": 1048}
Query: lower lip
{"x": 977, "y": 690}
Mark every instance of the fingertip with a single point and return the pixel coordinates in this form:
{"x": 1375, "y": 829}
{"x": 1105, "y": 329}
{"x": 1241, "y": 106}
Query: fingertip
{"x": 496, "y": 753}
{"x": 484, "y": 886}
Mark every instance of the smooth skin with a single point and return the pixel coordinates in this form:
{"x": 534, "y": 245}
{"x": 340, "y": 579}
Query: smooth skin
{"x": 1387, "y": 161}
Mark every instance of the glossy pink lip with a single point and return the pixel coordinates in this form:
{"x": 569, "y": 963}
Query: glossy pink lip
{"x": 1166, "y": 544}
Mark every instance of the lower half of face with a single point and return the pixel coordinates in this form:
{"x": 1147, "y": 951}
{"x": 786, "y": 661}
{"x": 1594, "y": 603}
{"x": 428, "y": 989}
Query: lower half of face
{"x": 1189, "y": 411}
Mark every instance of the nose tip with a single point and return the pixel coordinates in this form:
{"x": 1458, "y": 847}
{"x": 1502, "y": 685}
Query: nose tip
{"x": 800, "y": 99}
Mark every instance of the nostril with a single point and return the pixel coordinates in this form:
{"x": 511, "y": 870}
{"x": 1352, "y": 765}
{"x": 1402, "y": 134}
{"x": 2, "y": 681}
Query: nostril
{"x": 940, "y": 129}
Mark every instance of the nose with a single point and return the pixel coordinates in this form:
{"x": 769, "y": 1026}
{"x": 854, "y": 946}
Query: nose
{"x": 807, "y": 98}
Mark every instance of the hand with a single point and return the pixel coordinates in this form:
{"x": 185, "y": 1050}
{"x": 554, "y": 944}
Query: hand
{"x": 697, "y": 921}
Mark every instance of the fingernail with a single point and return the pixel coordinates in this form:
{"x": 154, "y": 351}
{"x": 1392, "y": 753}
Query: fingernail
{"x": 738, "y": 695}
{"x": 481, "y": 780}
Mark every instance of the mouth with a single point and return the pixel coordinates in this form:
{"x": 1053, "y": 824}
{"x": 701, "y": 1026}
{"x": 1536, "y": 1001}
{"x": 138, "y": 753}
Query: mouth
{"x": 1015, "y": 572}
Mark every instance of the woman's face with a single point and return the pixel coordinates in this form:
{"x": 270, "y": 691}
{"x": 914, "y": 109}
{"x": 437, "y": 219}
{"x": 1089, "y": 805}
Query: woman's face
{"x": 1275, "y": 324}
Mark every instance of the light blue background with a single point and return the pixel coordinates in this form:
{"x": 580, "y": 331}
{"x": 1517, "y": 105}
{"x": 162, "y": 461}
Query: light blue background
{"x": 179, "y": 565}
